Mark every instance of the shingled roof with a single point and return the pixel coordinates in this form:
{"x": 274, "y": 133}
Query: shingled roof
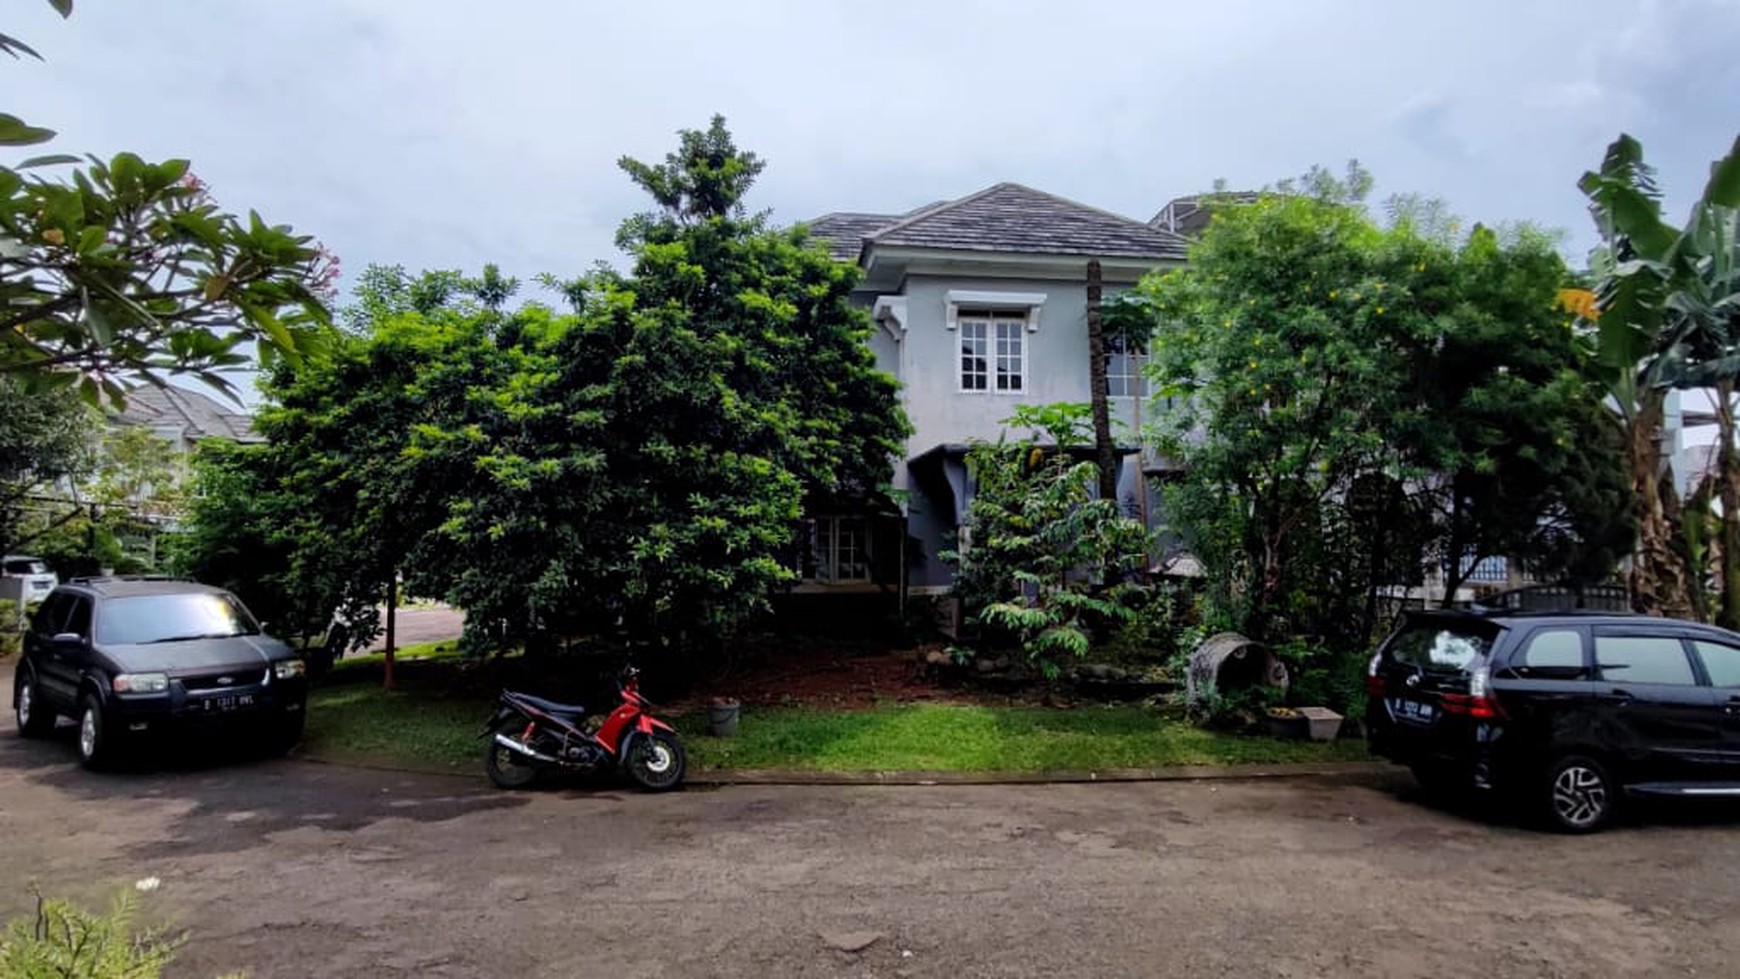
{"x": 844, "y": 231}
{"x": 194, "y": 415}
{"x": 1011, "y": 218}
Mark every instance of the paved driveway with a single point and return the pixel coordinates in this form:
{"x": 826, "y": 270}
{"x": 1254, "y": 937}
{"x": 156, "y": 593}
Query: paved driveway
{"x": 296, "y": 869}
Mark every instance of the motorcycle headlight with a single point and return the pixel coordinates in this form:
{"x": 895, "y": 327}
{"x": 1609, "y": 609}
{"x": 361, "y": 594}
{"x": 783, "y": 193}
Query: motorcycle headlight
{"x": 141, "y": 682}
{"x": 284, "y": 669}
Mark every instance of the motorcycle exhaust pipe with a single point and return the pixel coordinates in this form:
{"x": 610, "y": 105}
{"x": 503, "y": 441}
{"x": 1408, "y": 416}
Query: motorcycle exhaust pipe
{"x": 512, "y": 745}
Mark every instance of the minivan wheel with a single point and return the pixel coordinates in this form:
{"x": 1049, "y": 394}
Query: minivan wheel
{"x": 34, "y": 716}
{"x": 1578, "y": 795}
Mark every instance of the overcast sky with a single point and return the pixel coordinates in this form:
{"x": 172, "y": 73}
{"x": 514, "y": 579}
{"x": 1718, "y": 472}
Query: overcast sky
{"x": 439, "y": 133}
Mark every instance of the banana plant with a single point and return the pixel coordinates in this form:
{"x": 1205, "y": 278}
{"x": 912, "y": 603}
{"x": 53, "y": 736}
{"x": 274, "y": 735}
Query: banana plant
{"x": 1668, "y": 316}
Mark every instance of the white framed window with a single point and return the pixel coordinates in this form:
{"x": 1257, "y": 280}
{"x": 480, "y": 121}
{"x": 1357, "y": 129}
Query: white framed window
{"x": 993, "y": 351}
{"x": 1123, "y": 371}
{"x": 834, "y": 550}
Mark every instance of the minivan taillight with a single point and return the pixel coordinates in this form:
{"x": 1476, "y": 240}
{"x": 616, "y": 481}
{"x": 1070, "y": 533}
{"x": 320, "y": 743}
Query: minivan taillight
{"x": 1477, "y": 702}
{"x": 1374, "y": 680}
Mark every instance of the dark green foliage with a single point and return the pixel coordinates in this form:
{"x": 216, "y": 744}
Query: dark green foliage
{"x": 44, "y": 438}
{"x": 633, "y": 469}
{"x": 1355, "y": 401}
{"x": 1048, "y": 564}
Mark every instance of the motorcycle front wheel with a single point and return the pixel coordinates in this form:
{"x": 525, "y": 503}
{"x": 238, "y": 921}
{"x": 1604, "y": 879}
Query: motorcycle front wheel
{"x": 507, "y": 768}
{"x": 655, "y": 761}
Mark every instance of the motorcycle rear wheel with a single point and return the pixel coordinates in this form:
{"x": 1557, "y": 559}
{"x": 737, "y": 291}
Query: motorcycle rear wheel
{"x": 507, "y": 768}
{"x": 655, "y": 761}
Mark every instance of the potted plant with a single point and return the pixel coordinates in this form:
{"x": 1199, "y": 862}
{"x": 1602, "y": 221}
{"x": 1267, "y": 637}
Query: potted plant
{"x": 722, "y": 715}
{"x": 1286, "y": 723}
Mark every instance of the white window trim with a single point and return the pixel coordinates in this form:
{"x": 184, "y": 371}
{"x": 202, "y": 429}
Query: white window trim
{"x": 955, "y": 299}
{"x": 1138, "y": 378}
{"x": 992, "y": 319}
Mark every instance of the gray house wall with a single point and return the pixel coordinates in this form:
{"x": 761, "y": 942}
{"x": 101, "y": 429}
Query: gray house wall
{"x": 926, "y": 360}
{"x": 929, "y": 361}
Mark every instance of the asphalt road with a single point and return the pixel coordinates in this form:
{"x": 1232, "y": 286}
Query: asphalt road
{"x": 418, "y": 625}
{"x": 287, "y": 868}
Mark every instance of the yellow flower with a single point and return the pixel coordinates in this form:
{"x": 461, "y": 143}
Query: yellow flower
{"x": 54, "y": 236}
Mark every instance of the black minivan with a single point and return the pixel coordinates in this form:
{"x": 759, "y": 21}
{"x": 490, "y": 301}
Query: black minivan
{"x": 132, "y": 657}
{"x": 1567, "y": 712}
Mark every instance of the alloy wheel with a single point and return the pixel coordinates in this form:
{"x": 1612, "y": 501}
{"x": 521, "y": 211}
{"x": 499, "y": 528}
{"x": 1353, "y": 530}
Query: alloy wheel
{"x": 24, "y": 695}
{"x": 1579, "y": 796}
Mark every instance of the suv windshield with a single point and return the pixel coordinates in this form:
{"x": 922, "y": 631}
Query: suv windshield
{"x": 1440, "y": 647}
{"x": 26, "y": 566}
{"x": 172, "y": 618}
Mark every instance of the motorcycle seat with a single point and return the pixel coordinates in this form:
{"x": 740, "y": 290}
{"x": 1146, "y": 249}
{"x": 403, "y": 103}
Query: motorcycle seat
{"x": 551, "y": 706}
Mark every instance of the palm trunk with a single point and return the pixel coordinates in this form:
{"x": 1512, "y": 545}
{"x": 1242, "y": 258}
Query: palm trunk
{"x": 1728, "y": 471}
{"x": 1105, "y": 450}
{"x": 1658, "y": 574}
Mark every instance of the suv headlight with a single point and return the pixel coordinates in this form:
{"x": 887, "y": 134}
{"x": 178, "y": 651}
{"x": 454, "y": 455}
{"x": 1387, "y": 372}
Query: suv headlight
{"x": 284, "y": 669}
{"x": 141, "y": 682}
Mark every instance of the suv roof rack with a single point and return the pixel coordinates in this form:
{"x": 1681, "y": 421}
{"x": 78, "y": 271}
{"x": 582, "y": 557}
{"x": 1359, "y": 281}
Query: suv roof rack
{"x": 97, "y": 578}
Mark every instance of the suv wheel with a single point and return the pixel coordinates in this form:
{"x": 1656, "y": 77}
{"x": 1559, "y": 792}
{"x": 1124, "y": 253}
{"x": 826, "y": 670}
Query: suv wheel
{"x": 96, "y": 749}
{"x": 1578, "y": 794}
{"x": 34, "y": 716}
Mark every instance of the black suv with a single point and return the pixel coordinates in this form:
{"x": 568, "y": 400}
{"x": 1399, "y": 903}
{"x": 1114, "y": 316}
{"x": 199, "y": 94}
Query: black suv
{"x": 1567, "y": 711}
{"x": 129, "y": 657}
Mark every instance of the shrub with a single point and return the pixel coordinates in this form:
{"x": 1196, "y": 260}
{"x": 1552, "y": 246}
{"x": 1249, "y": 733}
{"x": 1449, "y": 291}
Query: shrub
{"x": 64, "y": 941}
{"x": 1319, "y": 676}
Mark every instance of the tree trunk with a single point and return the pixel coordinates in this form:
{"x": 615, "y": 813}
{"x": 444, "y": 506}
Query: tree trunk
{"x": 1105, "y": 450}
{"x": 1658, "y": 574}
{"x": 392, "y": 630}
{"x": 1728, "y": 471}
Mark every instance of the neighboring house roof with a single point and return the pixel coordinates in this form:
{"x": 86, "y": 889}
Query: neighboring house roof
{"x": 1188, "y": 216}
{"x": 844, "y": 231}
{"x": 1009, "y": 217}
{"x": 1006, "y": 217}
{"x": 194, "y": 415}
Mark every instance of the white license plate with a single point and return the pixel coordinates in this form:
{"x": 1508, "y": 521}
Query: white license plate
{"x": 1412, "y": 710}
{"x": 231, "y": 702}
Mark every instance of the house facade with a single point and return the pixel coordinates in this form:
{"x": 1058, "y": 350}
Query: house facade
{"x": 980, "y": 306}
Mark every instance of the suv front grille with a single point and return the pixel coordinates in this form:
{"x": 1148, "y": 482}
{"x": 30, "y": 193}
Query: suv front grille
{"x": 226, "y": 680}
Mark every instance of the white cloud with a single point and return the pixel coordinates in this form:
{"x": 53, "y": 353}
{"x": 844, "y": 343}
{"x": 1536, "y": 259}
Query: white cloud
{"x": 450, "y": 133}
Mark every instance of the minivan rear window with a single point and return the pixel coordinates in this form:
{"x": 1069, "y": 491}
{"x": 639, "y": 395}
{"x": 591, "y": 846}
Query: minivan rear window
{"x": 1438, "y": 647}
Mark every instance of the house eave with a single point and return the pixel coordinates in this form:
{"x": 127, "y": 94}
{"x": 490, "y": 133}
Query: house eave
{"x": 886, "y": 266}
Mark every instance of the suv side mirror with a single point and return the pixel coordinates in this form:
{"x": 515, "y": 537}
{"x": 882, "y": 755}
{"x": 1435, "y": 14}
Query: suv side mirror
{"x": 67, "y": 639}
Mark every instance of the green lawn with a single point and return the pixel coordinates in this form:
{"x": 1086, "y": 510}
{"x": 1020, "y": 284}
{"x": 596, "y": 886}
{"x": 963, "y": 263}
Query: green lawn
{"x": 445, "y": 649}
{"x": 362, "y": 723}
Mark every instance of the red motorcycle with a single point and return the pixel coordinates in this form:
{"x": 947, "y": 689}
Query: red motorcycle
{"x": 530, "y": 735}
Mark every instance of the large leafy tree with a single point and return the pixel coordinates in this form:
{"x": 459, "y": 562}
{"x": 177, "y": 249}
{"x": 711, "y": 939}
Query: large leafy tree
{"x": 647, "y": 465}
{"x": 1355, "y": 400}
{"x": 637, "y": 466}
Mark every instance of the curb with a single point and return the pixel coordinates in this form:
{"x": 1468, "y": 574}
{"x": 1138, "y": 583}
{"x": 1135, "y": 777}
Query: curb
{"x": 1351, "y": 770}
{"x": 1180, "y": 773}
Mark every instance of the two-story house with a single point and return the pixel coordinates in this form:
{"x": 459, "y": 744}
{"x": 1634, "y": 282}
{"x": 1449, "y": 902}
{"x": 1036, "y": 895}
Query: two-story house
{"x": 980, "y": 305}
